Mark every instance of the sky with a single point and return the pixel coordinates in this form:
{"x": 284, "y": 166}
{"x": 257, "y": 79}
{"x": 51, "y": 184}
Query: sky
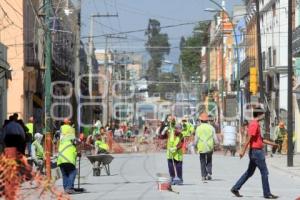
{"x": 135, "y": 14}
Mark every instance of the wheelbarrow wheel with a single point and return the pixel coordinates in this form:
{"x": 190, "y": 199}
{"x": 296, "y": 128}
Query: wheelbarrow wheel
{"x": 98, "y": 171}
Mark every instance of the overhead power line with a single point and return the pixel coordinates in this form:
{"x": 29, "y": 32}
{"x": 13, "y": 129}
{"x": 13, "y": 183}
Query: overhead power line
{"x": 13, "y": 8}
{"x": 144, "y": 29}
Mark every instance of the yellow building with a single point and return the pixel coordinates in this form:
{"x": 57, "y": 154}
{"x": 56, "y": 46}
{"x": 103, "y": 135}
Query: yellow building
{"x": 13, "y": 34}
{"x": 251, "y": 60}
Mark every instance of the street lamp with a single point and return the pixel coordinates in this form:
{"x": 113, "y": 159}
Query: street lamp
{"x": 222, "y": 9}
{"x": 212, "y": 10}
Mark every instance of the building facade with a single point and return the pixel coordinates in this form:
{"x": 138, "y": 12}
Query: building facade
{"x": 4, "y": 76}
{"x": 274, "y": 39}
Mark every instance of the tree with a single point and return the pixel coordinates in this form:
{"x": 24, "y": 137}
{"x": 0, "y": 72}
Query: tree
{"x": 191, "y": 49}
{"x": 157, "y": 46}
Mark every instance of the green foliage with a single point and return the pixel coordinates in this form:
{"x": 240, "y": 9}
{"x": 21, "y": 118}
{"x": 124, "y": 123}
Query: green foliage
{"x": 191, "y": 49}
{"x": 157, "y": 46}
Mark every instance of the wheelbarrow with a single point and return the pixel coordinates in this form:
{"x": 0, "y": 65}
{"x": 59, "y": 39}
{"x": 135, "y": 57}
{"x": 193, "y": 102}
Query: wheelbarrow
{"x": 99, "y": 162}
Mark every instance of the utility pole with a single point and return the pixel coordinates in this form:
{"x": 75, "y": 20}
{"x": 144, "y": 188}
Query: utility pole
{"x": 262, "y": 99}
{"x": 47, "y": 83}
{"x": 290, "y": 88}
{"x": 91, "y": 48}
{"x": 77, "y": 68}
{"x": 181, "y": 87}
{"x": 106, "y": 71}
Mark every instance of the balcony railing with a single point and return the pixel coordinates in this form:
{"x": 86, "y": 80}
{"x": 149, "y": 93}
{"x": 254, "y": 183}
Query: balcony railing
{"x": 245, "y": 65}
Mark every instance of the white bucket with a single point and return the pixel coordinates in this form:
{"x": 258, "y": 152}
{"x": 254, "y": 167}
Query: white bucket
{"x": 163, "y": 183}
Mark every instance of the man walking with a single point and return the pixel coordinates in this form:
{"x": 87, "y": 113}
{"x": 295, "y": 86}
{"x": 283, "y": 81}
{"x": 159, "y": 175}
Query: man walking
{"x": 205, "y": 138}
{"x": 256, "y": 155}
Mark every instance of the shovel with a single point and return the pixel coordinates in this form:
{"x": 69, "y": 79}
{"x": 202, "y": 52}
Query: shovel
{"x": 176, "y": 179}
{"x": 79, "y": 189}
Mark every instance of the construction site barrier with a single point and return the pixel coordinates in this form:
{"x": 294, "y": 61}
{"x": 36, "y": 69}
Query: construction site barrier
{"x": 16, "y": 174}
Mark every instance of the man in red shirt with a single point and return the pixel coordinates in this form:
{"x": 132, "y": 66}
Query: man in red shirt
{"x": 256, "y": 156}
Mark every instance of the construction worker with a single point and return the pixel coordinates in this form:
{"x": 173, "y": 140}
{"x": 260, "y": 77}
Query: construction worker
{"x": 37, "y": 152}
{"x": 205, "y": 138}
{"x": 13, "y": 135}
{"x": 279, "y": 134}
{"x": 175, "y": 155}
{"x": 187, "y": 127}
{"x": 187, "y": 132}
{"x": 66, "y": 130}
{"x": 97, "y": 127}
{"x": 29, "y": 136}
{"x": 66, "y": 160}
{"x": 100, "y": 144}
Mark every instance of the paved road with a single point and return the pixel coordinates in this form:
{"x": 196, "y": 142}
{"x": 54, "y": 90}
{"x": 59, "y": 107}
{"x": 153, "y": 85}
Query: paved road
{"x": 133, "y": 176}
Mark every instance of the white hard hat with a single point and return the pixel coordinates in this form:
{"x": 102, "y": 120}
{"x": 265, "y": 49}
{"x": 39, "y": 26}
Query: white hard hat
{"x": 38, "y": 136}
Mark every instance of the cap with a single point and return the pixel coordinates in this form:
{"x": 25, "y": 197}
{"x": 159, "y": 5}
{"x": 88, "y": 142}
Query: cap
{"x": 258, "y": 109}
{"x": 38, "y": 136}
{"x": 185, "y": 118}
{"x": 204, "y": 117}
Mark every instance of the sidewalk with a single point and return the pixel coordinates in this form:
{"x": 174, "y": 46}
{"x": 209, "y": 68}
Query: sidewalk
{"x": 279, "y": 162}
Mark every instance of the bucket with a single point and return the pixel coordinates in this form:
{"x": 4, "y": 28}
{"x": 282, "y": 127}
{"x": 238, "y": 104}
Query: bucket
{"x": 163, "y": 183}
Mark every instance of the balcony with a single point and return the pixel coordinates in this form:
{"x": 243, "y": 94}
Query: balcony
{"x": 245, "y": 65}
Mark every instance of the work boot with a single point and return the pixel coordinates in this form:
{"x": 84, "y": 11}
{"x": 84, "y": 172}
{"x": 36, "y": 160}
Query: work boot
{"x": 208, "y": 177}
{"x": 236, "y": 193}
{"x": 271, "y": 196}
{"x": 70, "y": 191}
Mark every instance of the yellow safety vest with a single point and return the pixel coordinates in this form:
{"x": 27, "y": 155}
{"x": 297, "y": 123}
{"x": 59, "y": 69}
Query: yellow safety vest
{"x": 67, "y": 153}
{"x": 67, "y": 132}
{"x": 38, "y": 149}
{"x": 102, "y": 145}
{"x": 188, "y": 129}
{"x": 172, "y": 143}
{"x": 30, "y": 128}
{"x": 205, "y": 138}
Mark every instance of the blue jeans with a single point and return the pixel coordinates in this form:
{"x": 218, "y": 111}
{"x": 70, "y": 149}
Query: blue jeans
{"x": 178, "y": 166}
{"x": 257, "y": 159}
{"x": 68, "y": 177}
{"x": 206, "y": 163}
{"x": 28, "y": 144}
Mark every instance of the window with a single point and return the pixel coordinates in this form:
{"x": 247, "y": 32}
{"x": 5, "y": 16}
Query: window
{"x": 274, "y": 10}
{"x": 264, "y": 60}
{"x": 274, "y": 57}
{"x": 269, "y": 57}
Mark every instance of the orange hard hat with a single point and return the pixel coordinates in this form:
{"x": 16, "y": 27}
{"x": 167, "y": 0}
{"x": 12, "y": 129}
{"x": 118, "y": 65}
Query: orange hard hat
{"x": 281, "y": 125}
{"x": 204, "y": 117}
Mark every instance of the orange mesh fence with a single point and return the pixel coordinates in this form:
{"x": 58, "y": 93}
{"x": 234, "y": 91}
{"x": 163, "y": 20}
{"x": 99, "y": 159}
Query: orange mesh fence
{"x": 19, "y": 181}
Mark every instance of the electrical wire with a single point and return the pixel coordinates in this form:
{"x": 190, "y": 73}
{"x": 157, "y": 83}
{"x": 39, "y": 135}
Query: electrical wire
{"x": 8, "y": 19}
{"x": 142, "y": 30}
{"x": 146, "y": 13}
{"x": 13, "y": 8}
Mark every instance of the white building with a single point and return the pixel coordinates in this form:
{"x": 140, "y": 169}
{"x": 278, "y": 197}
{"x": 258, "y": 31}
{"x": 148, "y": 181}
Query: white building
{"x": 274, "y": 39}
